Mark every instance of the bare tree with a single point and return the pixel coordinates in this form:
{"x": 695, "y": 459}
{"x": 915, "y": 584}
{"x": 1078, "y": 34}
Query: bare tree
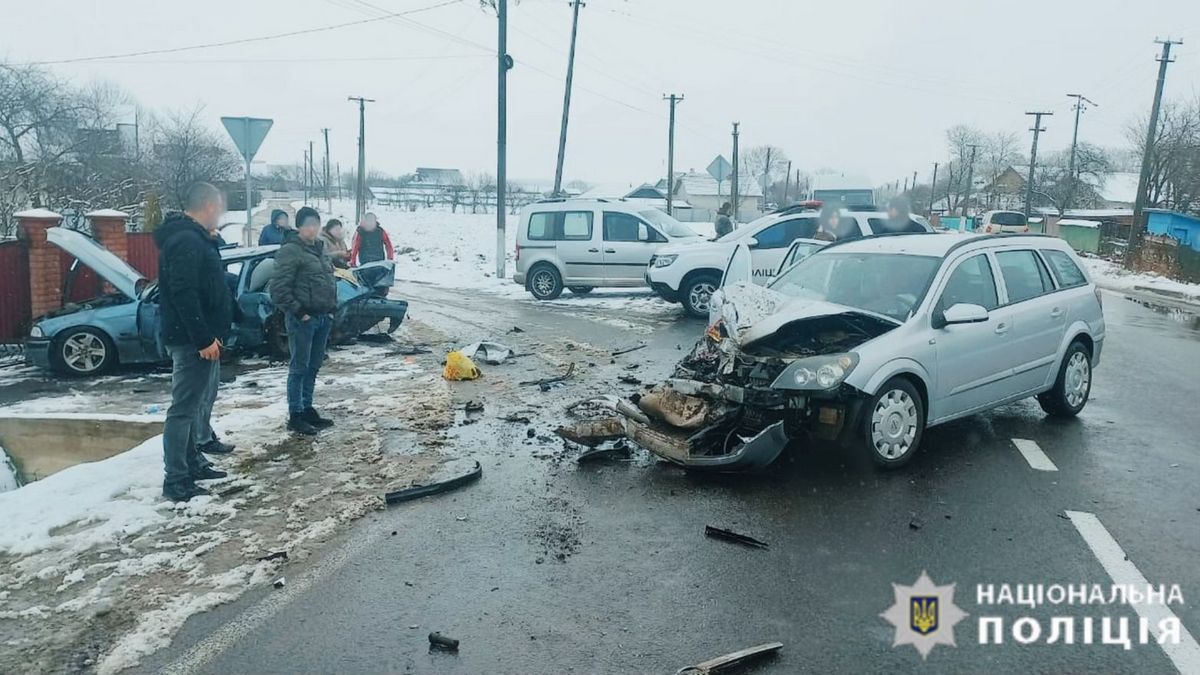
{"x": 1175, "y": 160}
{"x": 186, "y": 151}
{"x": 1059, "y": 188}
{"x": 765, "y": 164}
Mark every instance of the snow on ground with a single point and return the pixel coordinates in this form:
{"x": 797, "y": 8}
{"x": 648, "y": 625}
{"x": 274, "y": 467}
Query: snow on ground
{"x": 1114, "y": 277}
{"x": 95, "y": 547}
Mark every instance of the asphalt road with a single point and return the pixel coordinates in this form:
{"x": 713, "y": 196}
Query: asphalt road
{"x": 548, "y": 566}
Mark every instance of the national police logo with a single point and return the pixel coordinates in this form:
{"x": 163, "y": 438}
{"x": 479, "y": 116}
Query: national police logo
{"x": 924, "y": 615}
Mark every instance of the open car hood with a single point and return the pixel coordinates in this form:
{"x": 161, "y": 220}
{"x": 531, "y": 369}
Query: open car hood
{"x": 752, "y": 312}
{"x": 106, "y": 263}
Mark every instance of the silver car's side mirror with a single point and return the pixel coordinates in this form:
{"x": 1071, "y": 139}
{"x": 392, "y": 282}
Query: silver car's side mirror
{"x": 963, "y": 312}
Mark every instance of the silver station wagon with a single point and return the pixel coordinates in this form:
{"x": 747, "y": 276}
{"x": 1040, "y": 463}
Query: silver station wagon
{"x": 873, "y": 340}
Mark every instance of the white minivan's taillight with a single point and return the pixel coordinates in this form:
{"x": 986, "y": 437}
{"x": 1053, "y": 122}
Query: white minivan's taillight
{"x": 518, "y": 256}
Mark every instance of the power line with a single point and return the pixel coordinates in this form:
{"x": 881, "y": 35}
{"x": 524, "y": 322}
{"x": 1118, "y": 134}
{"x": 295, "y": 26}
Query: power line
{"x": 260, "y": 38}
{"x": 318, "y": 59}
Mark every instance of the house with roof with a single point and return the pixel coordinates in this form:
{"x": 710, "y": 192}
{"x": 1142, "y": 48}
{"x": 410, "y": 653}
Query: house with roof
{"x": 438, "y": 177}
{"x": 698, "y": 196}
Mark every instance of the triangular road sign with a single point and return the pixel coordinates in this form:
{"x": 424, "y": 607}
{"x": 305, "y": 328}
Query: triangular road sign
{"x": 247, "y": 133}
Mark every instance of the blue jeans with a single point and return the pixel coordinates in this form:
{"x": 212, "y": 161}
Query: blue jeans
{"x": 204, "y": 431}
{"x": 306, "y": 341}
{"x": 193, "y": 382}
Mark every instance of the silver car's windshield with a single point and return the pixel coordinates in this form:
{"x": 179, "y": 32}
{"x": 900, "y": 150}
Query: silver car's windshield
{"x": 672, "y": 227}
{"x": 891, "y": 284}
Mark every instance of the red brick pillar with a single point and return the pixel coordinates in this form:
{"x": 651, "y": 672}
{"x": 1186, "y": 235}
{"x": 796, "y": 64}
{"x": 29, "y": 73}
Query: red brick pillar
{"x": 108, "y": 227}
{"x": 45, "y": 268}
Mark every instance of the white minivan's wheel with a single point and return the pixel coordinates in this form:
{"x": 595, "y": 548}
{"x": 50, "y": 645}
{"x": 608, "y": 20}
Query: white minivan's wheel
{"x": 83, "y": 351}
{"x": 1072, "y": 386}
{"x": 696, "y": 292}
{"x": 894, "y": 422}
{"x": 545, "y": 283}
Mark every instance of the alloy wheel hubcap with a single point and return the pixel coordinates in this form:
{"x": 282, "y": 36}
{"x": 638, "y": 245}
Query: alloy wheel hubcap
{"x": 1078, "y": 379}
{"x": 84, "y": 352}
{"x": 700, "y": 295}
{"x": 543, "y": 283}
{"x": 894, "y": 424}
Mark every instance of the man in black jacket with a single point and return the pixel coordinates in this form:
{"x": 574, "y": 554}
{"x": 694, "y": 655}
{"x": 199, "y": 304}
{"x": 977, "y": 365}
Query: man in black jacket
{"x": 304, "y": 289}
{"x": 195, "y": 313}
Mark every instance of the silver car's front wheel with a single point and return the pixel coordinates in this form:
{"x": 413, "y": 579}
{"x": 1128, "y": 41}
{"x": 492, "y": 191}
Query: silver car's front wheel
{"x": 895, "y": 422}
{"x": 697, "y": 294}
{"x": 84, "y": 351}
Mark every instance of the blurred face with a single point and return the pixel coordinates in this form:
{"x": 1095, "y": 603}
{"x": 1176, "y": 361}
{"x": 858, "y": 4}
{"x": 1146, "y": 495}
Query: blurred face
{"x": 834, "y": 221}
{"x": 893, "y": 213}
{"x": 369, "y": 222}
{"x": 282, "y": 220}
{"x": 210, "y": 216}
{"x": 309, "y": 229}
{"x": 336, "y": 231}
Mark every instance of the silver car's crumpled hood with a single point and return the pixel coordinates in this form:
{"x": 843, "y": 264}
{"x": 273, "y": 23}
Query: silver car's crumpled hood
{"x": 752, "y": 312}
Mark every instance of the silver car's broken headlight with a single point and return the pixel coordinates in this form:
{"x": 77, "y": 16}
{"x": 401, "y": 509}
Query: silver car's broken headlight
{"x": 817, "y": 373}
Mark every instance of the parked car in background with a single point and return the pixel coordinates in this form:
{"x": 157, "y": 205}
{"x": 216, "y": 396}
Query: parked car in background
{"x": 690, "y": 271}
{"x": 872, "y": 341}
{"x": 1003, "y": 222}
{"x": 121, "y": 327}
{"x": 581, "y": 244}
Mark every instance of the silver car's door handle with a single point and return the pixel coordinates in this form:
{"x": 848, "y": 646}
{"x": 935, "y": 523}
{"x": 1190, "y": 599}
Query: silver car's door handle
{"x": 593, "y": 250}
{"x": 1056, "y": 312}
{"x": 610, "y": 250}
{"x": 1001, "y": 328}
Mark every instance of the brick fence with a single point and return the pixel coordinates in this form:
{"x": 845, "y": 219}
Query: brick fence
{"x": 36, "y": 276}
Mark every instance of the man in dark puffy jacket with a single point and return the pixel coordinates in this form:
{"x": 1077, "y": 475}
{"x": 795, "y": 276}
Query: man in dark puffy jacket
{"x": 195, "y": 314}
{"x": 305, "y": 290}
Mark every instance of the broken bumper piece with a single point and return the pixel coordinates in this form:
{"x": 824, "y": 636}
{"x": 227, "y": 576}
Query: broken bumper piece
{"x": 716, "y": 448}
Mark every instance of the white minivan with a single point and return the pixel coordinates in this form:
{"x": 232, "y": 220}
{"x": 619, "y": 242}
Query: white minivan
{"x": 581, "y": 244}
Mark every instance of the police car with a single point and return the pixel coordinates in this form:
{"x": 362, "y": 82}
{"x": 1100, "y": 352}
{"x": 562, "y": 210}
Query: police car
{"x": 688, "y": 273}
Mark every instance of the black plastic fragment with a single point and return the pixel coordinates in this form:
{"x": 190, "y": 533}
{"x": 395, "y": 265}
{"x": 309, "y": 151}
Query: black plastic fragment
{"x": 418, "y": 491}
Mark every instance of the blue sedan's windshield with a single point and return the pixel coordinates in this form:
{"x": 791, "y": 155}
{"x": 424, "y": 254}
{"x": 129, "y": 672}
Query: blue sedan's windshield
{"x": 891, "y": 284}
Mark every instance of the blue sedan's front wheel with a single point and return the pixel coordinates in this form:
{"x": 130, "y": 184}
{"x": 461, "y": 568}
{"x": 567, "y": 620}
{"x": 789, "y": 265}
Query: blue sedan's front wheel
{"x": 83, "y": 351}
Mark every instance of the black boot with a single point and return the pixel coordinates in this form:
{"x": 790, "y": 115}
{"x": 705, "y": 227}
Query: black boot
{"x": 209, "y": 473}
{"x": 298, "y": 424}
{"x": 183, "y": 492}
{"x": 314, "y": 418}
{"x": 216, "y": 447}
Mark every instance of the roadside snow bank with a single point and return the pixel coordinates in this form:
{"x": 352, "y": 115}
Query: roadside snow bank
{"x": 1112, "y": 276}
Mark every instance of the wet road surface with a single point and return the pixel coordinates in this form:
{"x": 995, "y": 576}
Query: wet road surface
{"x": 546, "y": 566}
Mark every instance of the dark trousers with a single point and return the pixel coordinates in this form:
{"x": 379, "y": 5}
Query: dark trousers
{"x": 306, "y": 341}
{"x": 193, "y": 387}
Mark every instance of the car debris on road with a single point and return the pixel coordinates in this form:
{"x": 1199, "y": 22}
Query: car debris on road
{"x": 727, "y": 661}
{"x": 735, "y": 537}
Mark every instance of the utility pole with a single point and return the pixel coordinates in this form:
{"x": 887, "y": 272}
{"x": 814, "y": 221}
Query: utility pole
{"x": 914, "y": 180}
{"x": 970, "y": 178}
{"x": 905, "y": 184}
{"x": 733, "y": 181}
{"x": 932, "y": 187}
{"x": 360, "y": 183}
{"x": 304, "y": 168}
{"x": 671, "y": 153}
{"x": 328, "y": 194}
{"x": 766, "y": 179}
{"x": 339, "y": 181}
{"x": 1080, "y": 106}
{"x": 1139, "y": 205}
{"x": 787, "y": 182}
{"x": 312, "y": 175}
{"x": 504, "y": 62}
{"x": 1037, "y": 129}
{"x": 562, "y": 134}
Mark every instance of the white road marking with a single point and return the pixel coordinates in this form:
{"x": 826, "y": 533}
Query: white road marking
{"x": 1034, "y": 455}
{"x": 1186, "y": 654}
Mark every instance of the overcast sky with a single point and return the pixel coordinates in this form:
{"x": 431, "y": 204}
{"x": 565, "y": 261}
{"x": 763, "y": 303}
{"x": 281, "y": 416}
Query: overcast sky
{"x": 867, "y": 87}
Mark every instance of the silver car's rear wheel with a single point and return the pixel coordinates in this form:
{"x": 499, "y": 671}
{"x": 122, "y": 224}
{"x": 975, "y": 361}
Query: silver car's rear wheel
{"x": 696, "y": 293}
{"x": 1073, "y": 385}
{"x": 894, "y": 423}
{"x": 545, "y": 283}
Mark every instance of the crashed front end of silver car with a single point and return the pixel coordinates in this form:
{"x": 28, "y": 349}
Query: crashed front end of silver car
{"x": 761, "y": 376}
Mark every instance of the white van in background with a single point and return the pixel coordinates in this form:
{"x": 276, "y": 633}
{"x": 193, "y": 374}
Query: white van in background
{"x": 582, "y": 244}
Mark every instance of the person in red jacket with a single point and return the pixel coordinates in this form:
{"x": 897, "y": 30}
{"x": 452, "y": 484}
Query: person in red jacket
{"x": 371, "y": 243}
